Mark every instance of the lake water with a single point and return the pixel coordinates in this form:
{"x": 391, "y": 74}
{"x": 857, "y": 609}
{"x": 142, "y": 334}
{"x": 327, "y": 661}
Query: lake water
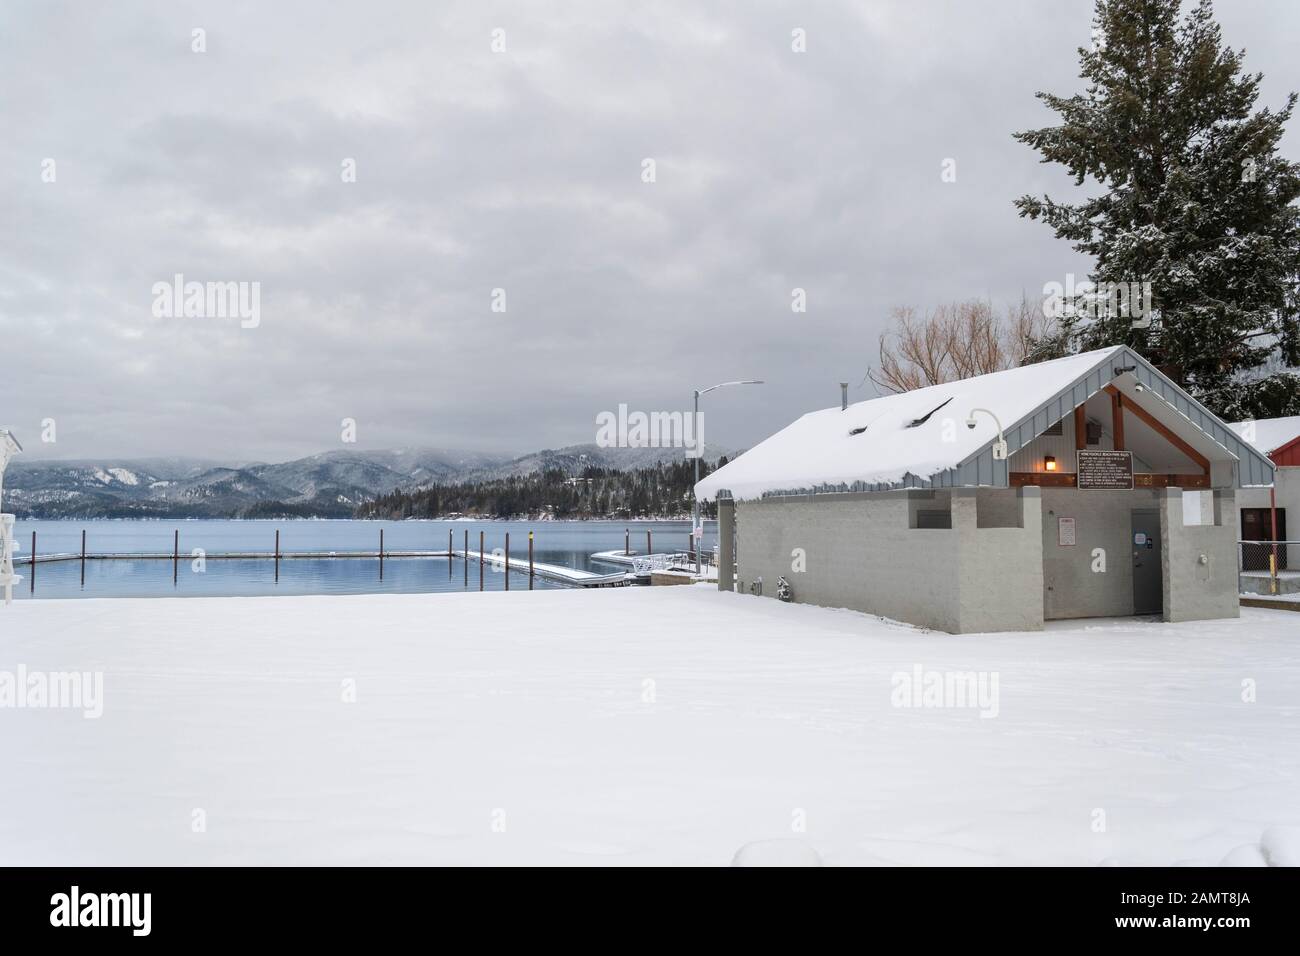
{"x": 566, "y": 543}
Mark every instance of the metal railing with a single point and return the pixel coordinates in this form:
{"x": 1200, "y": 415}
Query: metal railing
{"x": 1268, "y": 567}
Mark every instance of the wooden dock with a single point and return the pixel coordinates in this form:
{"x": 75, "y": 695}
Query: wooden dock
{"x": 551, "y": 572}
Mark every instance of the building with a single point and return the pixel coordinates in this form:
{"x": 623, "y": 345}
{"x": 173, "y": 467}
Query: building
{"x": 1089, "y": 486}
{"x": 1263, "y": 511}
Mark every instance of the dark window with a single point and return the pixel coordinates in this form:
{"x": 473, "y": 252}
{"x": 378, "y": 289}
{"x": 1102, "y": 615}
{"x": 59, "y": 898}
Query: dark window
{"x": 934, "y": 519}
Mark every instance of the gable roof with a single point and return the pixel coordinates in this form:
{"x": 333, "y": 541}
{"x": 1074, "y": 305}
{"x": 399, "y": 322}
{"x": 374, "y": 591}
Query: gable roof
{"x": 1269, "y": 434}
{"x": 919, "y": 439}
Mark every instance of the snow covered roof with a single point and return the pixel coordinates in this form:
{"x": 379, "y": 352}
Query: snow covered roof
{"x": 920, "y": 438}
{"x": 1269, "y": 434}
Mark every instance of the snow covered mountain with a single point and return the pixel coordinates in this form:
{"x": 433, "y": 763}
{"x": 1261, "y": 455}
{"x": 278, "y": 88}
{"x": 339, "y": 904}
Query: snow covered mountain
{"x": 330, "y": 484}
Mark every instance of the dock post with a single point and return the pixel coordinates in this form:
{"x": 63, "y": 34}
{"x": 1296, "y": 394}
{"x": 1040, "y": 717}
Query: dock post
{"x": 381, "y": 554}
{"x": 465, "y": 555}
{"x": 277, "y": 555}
{"x": 449, "y": 552}
{"x": 649, "y": 544}
{"x": 480, "y": 560}
{"x": 83, "y": 557}
{"x": 31, "y": 585}
{"x": 627, "y": 541}
{"x": 530, "y": 560}
{"x": 176, "y": 555}
{"x": 33, "y": 558}
{"x": 507, "y": 560}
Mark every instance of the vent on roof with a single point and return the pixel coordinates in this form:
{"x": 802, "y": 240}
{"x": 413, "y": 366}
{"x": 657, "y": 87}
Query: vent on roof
{"x": 858, "y": 431}
{"x": 926, "y": 417}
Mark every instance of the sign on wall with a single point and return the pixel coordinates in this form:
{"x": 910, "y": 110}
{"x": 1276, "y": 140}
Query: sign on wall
{"x": 1108, "y": 470}
{"x": 1065, "y": 532}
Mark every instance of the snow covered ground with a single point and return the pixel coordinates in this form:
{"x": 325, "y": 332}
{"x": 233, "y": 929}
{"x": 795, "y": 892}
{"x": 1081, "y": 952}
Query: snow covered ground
{"x": 639, "y": 725}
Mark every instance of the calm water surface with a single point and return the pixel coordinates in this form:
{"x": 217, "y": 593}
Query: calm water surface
{"x": 566, "y": 543}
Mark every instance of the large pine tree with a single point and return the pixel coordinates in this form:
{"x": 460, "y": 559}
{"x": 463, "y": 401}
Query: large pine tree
{"x": 1194, "y": 199}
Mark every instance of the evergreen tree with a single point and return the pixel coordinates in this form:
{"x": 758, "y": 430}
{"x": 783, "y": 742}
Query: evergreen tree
{"x": 1195, "y": 200}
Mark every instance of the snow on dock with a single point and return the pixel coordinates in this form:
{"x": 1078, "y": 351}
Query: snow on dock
{"x": 552, "y": 572}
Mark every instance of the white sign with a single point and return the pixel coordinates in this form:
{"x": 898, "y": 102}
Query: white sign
{"x": 1140, "y": 537}
{"x": 1065, "y": 532}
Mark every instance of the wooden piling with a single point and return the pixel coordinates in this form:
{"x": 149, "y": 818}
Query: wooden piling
{"x": 627, "y": 541}
{"x": 649, "y": 543}
{"x": 507, "y": 560}
{"x": 530, "y": 560}
{"x": 465, "y": 555}
{"x": 31, "y": 585}
{"x": 480, "y": 560}
{"x": 277, "y": 555}
{"x": 176, "y": 555}
{"x": 449, "y": 550}
{"x": 83, "y": 557}
{"x": 381, "y": 554}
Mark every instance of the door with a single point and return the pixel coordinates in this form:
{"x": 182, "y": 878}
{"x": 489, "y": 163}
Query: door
{"x": 1148, "y": 592}
{"x": 1257, "y": 525}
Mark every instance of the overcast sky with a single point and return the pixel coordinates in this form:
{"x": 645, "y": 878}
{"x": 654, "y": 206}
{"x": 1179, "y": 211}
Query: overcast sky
{"x": 518, "y": 170}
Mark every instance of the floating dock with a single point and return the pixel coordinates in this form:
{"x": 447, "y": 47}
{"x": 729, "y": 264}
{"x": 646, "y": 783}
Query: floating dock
{"x": 552, "y": 572}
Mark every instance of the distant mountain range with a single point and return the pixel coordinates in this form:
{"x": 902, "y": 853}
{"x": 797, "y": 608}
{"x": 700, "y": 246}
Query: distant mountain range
{"x": 332, "y": 484}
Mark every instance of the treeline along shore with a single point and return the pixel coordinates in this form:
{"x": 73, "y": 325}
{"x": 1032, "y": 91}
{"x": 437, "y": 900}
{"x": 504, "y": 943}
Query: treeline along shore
{"x": 660, "y": 491}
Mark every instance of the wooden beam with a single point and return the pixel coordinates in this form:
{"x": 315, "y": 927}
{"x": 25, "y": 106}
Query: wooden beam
{"x": 1045, "y": 479}
{"x": 1163, "y": 430}
{"x": 1080, "y": 428}
{"x": 1171, "y": 481}
{"x": 1117, "y": 418}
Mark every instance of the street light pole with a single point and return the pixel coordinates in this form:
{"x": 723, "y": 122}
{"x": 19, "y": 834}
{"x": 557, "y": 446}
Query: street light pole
{"x": 697, "y": 530}
{"x": 8, "y": 448}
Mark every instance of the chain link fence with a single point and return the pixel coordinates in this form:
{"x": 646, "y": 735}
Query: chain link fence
{"x": 1268, "y": 567}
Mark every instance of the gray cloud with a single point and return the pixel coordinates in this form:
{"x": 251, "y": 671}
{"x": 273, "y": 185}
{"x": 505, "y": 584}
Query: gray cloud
{"x": 518, "y": 170}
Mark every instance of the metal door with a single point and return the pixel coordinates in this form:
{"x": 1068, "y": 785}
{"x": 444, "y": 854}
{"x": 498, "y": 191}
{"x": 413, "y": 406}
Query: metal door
{"x": 1148, "y": 592}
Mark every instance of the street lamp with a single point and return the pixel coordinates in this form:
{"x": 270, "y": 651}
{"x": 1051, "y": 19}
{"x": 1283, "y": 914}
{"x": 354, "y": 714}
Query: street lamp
{"x": 1000, "y": 446}
{"x": 8, "y": 448}
{"x": 697, "y": 531}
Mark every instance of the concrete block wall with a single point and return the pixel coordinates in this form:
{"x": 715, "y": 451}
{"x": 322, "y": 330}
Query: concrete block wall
{"x": 861, "y": 552}
{"x": 1001, "y": 564}
{"x": 1198, "y": 563}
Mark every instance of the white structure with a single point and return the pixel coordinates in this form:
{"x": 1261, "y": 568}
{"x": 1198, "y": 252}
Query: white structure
{"x": 8, "y": 448}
